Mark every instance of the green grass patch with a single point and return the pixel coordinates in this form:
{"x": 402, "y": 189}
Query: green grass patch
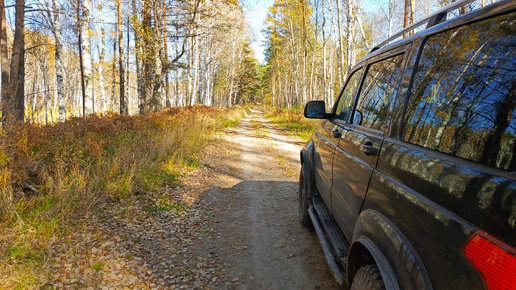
{"x": 161, "y": 208}
{"x": 98, "y": 266}
{"x": 293, "y": 121}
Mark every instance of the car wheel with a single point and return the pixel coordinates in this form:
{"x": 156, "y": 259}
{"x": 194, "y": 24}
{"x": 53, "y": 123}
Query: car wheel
{"x": 304, "y": 202}
{"x": 368, "y": 278}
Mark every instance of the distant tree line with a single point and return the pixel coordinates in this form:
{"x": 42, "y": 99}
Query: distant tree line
{"x": 79, "y": 57}
{"x": 313, "y": 44}
{"x": 67, "y": 58}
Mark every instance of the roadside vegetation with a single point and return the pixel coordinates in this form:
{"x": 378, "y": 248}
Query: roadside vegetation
{"x": 50, "y": 176}
{"x": 293, "y": 120}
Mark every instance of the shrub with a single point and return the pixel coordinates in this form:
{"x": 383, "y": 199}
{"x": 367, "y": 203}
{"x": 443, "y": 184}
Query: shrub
{"x": 51, "y": 174}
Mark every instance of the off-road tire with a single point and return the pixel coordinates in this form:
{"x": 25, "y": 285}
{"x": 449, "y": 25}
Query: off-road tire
{"x": 304, "y": 203}
{"x": 368, "y": 278}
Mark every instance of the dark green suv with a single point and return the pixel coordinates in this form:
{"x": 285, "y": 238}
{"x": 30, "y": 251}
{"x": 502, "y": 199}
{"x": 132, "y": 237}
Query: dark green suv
{"x": 410, "y": 180}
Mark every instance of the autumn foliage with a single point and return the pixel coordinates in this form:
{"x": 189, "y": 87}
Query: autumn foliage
{"x": 58, "y": 170}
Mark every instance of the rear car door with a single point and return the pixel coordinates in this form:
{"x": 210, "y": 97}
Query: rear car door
{"x": 361, "y": 138}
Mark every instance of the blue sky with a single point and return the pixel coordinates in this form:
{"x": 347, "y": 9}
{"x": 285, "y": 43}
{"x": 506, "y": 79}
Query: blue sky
{"x": 256, "y": 12}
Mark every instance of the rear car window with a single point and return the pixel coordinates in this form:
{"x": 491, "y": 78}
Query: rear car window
{"x": 464, "y": 93}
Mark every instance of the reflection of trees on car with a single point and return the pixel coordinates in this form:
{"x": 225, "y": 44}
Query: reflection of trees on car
{"x": 455, "y": 87}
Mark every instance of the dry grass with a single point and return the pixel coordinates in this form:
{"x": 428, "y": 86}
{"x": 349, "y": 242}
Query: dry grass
{"x": 293, "y": 120}
{"x": 50, "y": 176}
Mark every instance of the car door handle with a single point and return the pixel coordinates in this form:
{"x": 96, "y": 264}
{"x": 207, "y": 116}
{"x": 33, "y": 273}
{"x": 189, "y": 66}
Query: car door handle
{"x": 369, "y": 149}
{"x": 336, "y": 134}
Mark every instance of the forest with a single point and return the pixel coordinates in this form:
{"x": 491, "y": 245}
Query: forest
{"x": 117, "y": 110}
{"x": 69, "y": 58}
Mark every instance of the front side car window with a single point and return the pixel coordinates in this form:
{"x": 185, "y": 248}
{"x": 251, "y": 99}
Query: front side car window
{"x": 378, "y": 92}
{"x": 343, "y": 109}
{"x": 464, "y": 93}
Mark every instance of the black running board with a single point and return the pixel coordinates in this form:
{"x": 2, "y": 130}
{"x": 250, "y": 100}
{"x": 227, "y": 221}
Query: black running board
{"x": 337, "y": 274}
{"x": 335, "y": 237}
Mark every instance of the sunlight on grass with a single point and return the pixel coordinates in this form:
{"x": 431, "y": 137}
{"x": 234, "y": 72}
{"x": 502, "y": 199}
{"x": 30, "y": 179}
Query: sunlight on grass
{"x": 293, "y": 121}
{"x": 51, "y": 174}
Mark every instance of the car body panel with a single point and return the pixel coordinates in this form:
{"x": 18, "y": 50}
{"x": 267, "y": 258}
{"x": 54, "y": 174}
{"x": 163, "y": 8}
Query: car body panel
{"x": 323, "y": 159}
{"x": 352, "y": 169}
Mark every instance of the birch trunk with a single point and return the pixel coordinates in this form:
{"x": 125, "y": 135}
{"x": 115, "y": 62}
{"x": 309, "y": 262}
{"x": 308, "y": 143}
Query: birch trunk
{"x": 87, "y": 62}
{"x": 123, "y": 103}
{"x": 56, "y": 29}
{"x": 341, "y": 44}
{"x": 129, "y": 86}
{"x": 349, "y": 38}
{"x": 35, "y": 93}
{"x": 137, "y": 56}
{"x": 102, "y": 101}
{"x": 189, "y": 71}
{"x": 113, "y": 64}
{"x": 196, "y": 69}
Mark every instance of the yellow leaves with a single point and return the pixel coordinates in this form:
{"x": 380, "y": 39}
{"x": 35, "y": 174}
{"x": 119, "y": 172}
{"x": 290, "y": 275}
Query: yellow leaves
{"x": 230, "y": 2}
{"x": 4, "y": 159}
{"x": 5, "y": 179}
{"x": 272, "y": 10}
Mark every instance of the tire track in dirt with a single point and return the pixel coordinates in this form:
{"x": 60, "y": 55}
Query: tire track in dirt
{"x": 260, "y": 243}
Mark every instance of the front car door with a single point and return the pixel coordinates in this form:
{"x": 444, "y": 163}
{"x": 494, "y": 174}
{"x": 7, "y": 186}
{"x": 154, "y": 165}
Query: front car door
{"x": 327, "y": 137}
{"x": 325, "y": 145}
{"x": 361, "y": 137}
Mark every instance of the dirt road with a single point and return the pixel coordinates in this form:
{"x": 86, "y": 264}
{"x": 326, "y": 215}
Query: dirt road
{"x": 231, "y": 224}
{"x": 261, "y": 241}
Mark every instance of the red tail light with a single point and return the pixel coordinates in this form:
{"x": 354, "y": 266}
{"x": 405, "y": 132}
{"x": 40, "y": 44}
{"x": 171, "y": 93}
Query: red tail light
{"x": 493, "y": 259}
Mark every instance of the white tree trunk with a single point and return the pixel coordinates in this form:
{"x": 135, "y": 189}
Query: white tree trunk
{"x": 189, "y": 91}
{"x": 56, "y": 27}
{"x": 86, "y": 50}
{"x": 341, "y": 44}
{"x": 101, "y": 100}
{"x": 350, "y": 20}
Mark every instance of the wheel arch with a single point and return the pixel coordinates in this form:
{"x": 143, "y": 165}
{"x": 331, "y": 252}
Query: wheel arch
{"x": 377, "y": 241}
{"x": 362, "y": 253}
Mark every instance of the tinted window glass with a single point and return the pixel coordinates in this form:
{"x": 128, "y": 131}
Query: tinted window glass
{"x": 378, "y": 93}
{"x": 346, "y": 99}
{"x": 463, "y": 96}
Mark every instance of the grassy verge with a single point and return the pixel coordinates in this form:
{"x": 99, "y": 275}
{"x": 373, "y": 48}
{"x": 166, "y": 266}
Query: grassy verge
{"x": 50, "y": 176}
{"x": 293, "y": 120}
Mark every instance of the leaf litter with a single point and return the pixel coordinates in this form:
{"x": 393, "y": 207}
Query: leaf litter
{"x": 144, "y": 243}
{"x": 186, "y": 237}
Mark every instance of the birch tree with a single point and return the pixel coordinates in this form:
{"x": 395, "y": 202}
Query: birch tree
{"x": 102, "y": 101}
{"x": 123, "y": 103}
{"x": 84, "y": 23}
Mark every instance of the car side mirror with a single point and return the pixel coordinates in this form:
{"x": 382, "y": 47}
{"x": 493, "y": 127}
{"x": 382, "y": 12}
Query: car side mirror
{"x": 316, "y": 110}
